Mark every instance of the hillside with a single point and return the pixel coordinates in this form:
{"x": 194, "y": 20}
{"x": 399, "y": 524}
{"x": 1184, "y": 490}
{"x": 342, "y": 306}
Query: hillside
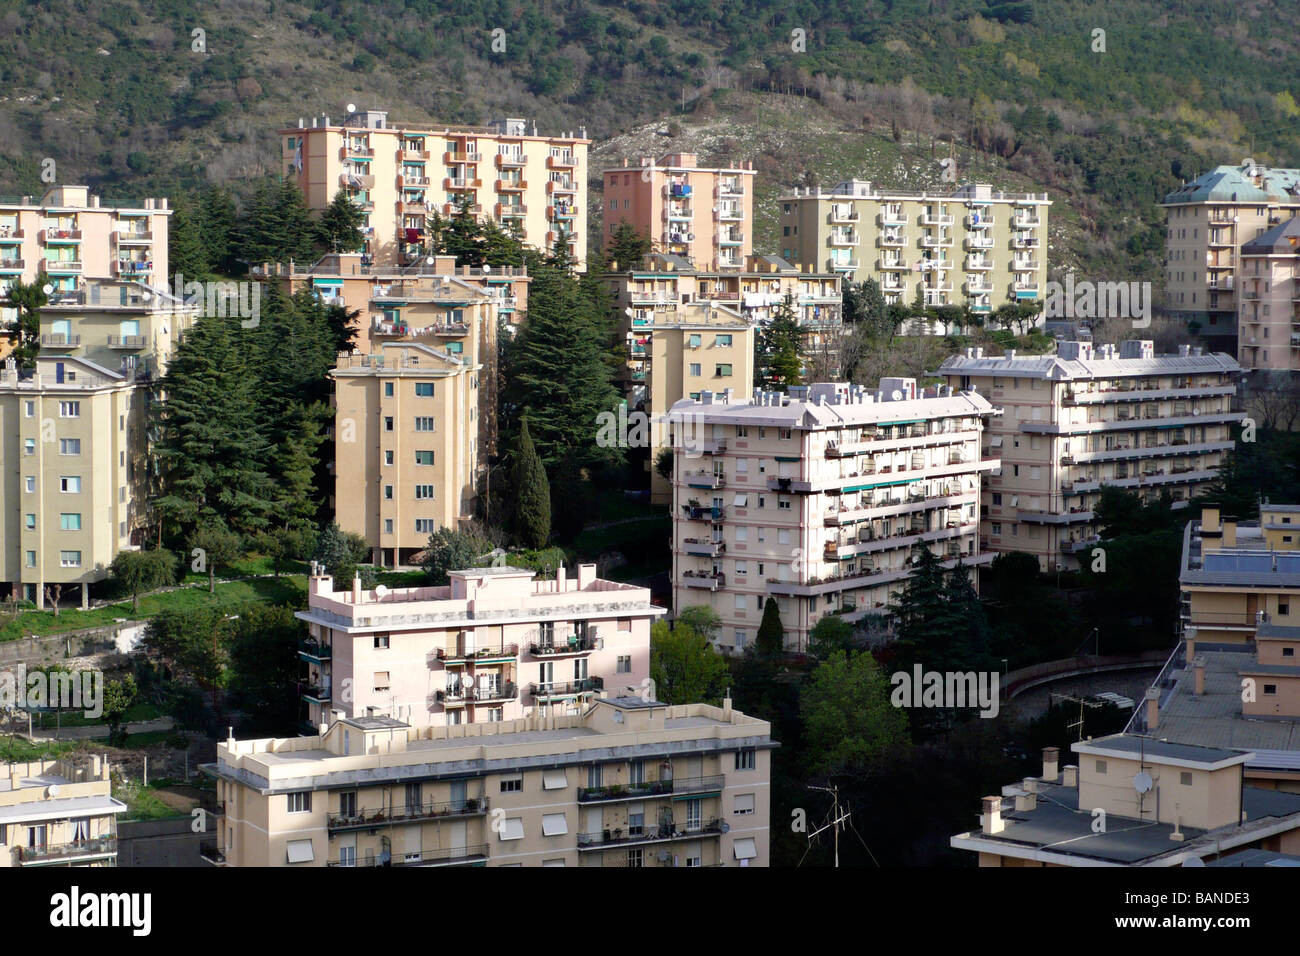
{"x": 129, "y": 98}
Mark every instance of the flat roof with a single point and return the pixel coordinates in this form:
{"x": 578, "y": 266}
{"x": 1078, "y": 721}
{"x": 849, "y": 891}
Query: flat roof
{"x": 374, "y": 723}
{"x": 57, "y": 809}
{"x": 1160, "y": 750}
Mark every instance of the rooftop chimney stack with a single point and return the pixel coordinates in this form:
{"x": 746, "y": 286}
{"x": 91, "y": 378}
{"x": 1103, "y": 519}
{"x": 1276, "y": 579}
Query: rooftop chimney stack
{"x": 991, "y": 816}
{"x": 1051, "y": 758}
{"x": 1070, "y": 775}
{"x": 1199, "y": 664}
{"x": 1153, "y": 707}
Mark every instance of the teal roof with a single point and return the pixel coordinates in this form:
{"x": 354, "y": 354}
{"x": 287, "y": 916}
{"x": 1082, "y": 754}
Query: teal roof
{"x": 1230, "y": 184}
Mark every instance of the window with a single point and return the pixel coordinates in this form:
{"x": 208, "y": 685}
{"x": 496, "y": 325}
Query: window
{"x": 69, "y": 409}
{"x": 742, "y": 568}
{"x": 512, "y": 784}
{"x": 423, "y": 458}
{"x": 423, "y": 492}
{"x": 424, "y": 389}
{"x": 388, "y": 423}
{"x": 30, "y": 522}
{"x": 69, "y": 522}
{"x": 29, "y": 446}
{"x": 1101, "y": 766}
{"x": 721, "y": 370}
{"x": 740, "y": 602}
{"x": 624, "y": 665}
{"x": 636, "y": 858}
{"x": 381, "y": 642}
{"x": 1283, "y": 608}
{"x": 742, "y": 431}
{"x": 722, "y": 340}
{"x": 348, "y": 804}
{"x": 513, "y": 828}
{"x": 746, "y": 850}
{"x": 785, "y": 433}
{"x": 694, "y": 341}
{"x": 635, "y": 820}
{"x": 68, "y": 446}
{"x": 694, "y": 814}
{"x": 695, "y": 368}
{"x": 388, "y": 390}
{"x": 31, "y": 563}
{"x": 388, "y": 492}
{"x": 70, "y": 484}
{"x": 745, "y": 759}
{"x": 1270, "y": 689}
{"x": 556, "y": 779}
{"x": 29, "y": 409}
{"x": 995, "y": 528}
{"x": 1185, "y": 779}
{"x": 388, "y": 457}
{"x": 739, "y": 638}
{"x": 744, "y": 805}
{"x": 424, "y": 526}
{"x": 30, "y": 483}
{"x": 424, "y": 423}
{"x": 783, "y": 504}
{"x": 299, "y": 802}
{"x": 388, "y": 526}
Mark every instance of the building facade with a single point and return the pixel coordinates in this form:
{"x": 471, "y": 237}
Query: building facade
{"x": 1088, "y": 417}
{"x": 701, "y": 214}
{"x": 1268, "y": 300}
{"x": 819, "y": 498}
{"x": 58, "y": 813}
{"x": 401, "y": 177}
{"x": 625, "y": 783}
{"x": 1207, "y": 221}
{"x": 492, "y": 645}
{"x": 971, "y": 247}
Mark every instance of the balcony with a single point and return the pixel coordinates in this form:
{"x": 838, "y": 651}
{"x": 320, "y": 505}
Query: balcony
{"x": 51, "y": 237}
{"x": 703, "y": 549}
{"x": 704, "y": 580}
{"x": 509, "y": 160}
{"x": 731, "y": 189}
{"x": 704, "y": 479}
{"x": 893, "y": 265}
{"x": 468, "y": 653}
{"x": 891, "y": 240}
{"x": 891, "y": 217}
{"x": 8, "y": 234}
{"x": 473, "y": 854}
{"x": 490, "y": 693}
{"x": 451, "y": 158}
{"x": 410, "y": 154}
{"x": 561, "y": 211}
{"x": 563, "y": 161}
{"x": 979, "y": 221}
{"x": 60, "y": 266}
{"x": 843, "y": 265}
{"x": 573, "y": 688}
{"x": 704, "y": 512}
{"x": 133, "y": 237}
{"x": 212, "y": 854}
{"x": 511, "y": 210}
{"x": 60, "y": 341}
{"x": 935, "y": 242}
{"x": 68, "y": 854}
{"x": 133, "y": 267}
{"x": 409, "y": 181}
{"x": 1024, "y": 265}
{"x": 651, "y": 788}
{"x": 619, "y": 836}
{"x": 510, "y": 185}
{"x": 842, "y": 239}
{"x": 451, "y": 183}
{"x": 554, "y": 186}
{"x": 1072, "y": 545}
{"x": 317, "y": 694}
{"x": 12, "y": 265}
{"x": 1026, "y": 222}
{"x": 314, "y": 651}
{"x": 576, "y": 642}
{"x": 838, "y": 215}
{"x": 356, "y": 151}
{"x": 369, "y": 819}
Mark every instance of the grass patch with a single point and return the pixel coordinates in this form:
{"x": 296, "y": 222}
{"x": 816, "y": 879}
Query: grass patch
{"x": 141, "y": 710}
{"x": 230, "y": 597}
{"x": 152, "y": 739}
{"x": 18, "y": 750}
{"x": 142, "y": 802}
{"x": 403, "y": 579}
{"x": 643, "y": 543}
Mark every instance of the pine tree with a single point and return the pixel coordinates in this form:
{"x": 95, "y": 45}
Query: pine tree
{"x": 533, "y": 493}
{"x": 218, "y": 228}
{"x": 779, "y": 349}
{"x": 25, "y": 333}
{"x": 627, "y": 247}
{"x": 187, "y": 253}
{"x": 340, "y": 225}
{"x": 294, "y": 468}
{"x": 769, "y": 642}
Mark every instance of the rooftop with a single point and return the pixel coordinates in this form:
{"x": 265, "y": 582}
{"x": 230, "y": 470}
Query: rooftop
{"x": 1246, "y": 183}
{"x": 1074, "y": 364}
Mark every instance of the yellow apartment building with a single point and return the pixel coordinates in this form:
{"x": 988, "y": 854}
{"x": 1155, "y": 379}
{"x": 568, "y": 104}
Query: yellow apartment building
{"x": 58, "y": 813}
{"x": 704, "y": 215}
{"x": 402, "y": 176}
{"x": 1159, "y": 803}
{"x": 1207, "y": 222}
{"x": 626, "y": 783}
{"x": 1092, "y": 416}
{"x": 971, "y": 246}
{"x": 819, "y": 499}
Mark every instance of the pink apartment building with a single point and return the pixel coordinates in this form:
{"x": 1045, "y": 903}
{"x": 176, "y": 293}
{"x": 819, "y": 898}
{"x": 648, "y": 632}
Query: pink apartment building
{"x": 495, "y": 644}
{"x": 1268, "y": 300}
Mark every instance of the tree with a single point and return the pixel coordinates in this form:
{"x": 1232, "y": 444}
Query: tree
{"x": 119, "y": 698}
{"x": 190, "y": 644}
{"x": 769, "y": 642}
{"x": 685, "y": 667}
{"x": 218, "y": 546}
{"x": 830, "y": 634}
{"x": 627, "y": 247}
{"x": 187, "y": 253}
{"x": 450, "y": 549}
{"x": 285, "y": 545}
{"x": 336, "y": 551}
{"x": 140, "y": 571}
{"x": 24, "y": 333}
{"x": 264, "y": 669}
{"x": 664, "y": 463}
{"x": 850, "y": 726}
{"x": 702, "y": 618}
{"x": 340, "y": 225}
{"x": 779, "y": 349}
{"x": 533, "y": 513}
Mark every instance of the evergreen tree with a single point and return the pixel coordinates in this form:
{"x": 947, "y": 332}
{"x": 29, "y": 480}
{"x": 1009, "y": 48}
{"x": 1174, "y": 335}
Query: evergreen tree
{"x": 295, "y": 464}
{"x": 340, "y": 225}
{"x": 213, "y": 545}
{"x": 769, "y": 642}
{"x": 187, "y": 252}
{"x": 218, "y": 227}
{"x": 24, "y": 334}
{"x": 533, "y": 493}
{"x": 779, "y": 349}
{"x": 627, "y": 247}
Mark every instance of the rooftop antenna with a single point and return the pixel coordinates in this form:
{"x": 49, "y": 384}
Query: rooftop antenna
{"x": 837, "y": 821}
{"x": 1082, "y": 702}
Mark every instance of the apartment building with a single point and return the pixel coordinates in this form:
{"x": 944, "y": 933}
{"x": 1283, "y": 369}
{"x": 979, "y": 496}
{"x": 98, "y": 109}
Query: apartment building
{"x": 819, "y": 499}
{"x": 1164, "y": 804}
{"x": 67, "y": 235}
{"x": 626, "y": 782}
{"x": 401, "y": 177}
{"x": 1207, "y": 221}
{"x": 58, "y": 813}
{"x": 705, "y": 215}
{"x": 412, "y": 431}
{"x": 971, "y": 247}
{"x": 492, "y": 645}
{"x": 1268, "y": 300}
{"x": 1092, "y": 416}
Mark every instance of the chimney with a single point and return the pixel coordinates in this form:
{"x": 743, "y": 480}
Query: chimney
{"x": 1153, "y": 707}
{"x": 1051, "y": 758}
{"x": 1027, "y": 797}
{"x": 726, "y": 706}
{"x": 1070, "y": 775}
{"x": 1199, "y": 664}
{"x": 1190, "y": 638}
{"x": 991, "y": 817}
{"x": 356, "y": 589}
{"x": 1229, "y": 531}
{"x": 560, "y": 579}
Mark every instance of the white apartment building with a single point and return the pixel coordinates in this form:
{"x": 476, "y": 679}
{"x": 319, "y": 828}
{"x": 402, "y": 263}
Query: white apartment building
{"x": 818, "y": 498}
{"x": 1092, "y": 416}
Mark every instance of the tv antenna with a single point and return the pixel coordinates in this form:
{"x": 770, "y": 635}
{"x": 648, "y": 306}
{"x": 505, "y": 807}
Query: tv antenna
{"x": 1082, "y": 702}
{"x": 837, "y": 820}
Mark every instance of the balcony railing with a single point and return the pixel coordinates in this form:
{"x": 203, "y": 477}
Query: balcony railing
{"x": 651, "y": 788}
{"x": 59, "y": 340}
{"x": 58, "y": 852}
{"x": 588, "y": 685}
{"x": 314, "y": 650}
{"x": 465, "y": 693}
{"x": 365, "y": 819}
{"x": 563, "y": 644}
{"x": 444, "y": 856}
{"x": 617, "y": 836}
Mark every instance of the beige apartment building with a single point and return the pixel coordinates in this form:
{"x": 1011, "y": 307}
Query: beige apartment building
{"x": 626, "y": 782}
{"x": 1088, "y": 417}
{"x": 1163, "y": 804}
{"x": 819, "y": 499}
{"x": 494, "y": 644}
{"x": 1207, "y": 221}
{"x": 970, "y": 247}
{"x": 704, "y": 215}
{"x": 341, "y": 279}
{"x": 1268, "y": 300}
{"x": 402, "y": 177}
{"x": 58, "y": 813}
{"x": 70, "y": 237}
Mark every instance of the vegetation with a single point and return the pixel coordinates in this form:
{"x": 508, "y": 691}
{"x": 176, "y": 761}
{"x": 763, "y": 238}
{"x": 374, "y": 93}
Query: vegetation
{"x": 684, "y": 666}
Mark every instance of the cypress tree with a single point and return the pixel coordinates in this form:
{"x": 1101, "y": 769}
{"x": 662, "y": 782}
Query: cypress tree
{"x": 770, "y": 640}
{"x": 533, "y": 493}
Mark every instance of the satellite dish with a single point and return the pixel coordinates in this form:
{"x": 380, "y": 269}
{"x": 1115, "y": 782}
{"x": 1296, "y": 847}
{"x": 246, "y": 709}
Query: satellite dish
{"x": 52, "y": 790}
{"x": 1142, "y": 782}
{"x": 486, "y": 269}
{"x": 352, "y": 107}
{"x": 1193, "y": 861}
{"x": 896, "y": 395}
{"x": 47, "y": 288}
{"x": 429, "y": 261}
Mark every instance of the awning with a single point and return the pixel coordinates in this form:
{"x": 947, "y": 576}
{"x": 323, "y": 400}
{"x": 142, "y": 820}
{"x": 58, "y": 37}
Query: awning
{"x": 512, "y": 828}
{"x": 300, "y": 851}
{"x": 554, "y": 779}
{"x": 745, "y": 849}
{"x": 554, "y": 824}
